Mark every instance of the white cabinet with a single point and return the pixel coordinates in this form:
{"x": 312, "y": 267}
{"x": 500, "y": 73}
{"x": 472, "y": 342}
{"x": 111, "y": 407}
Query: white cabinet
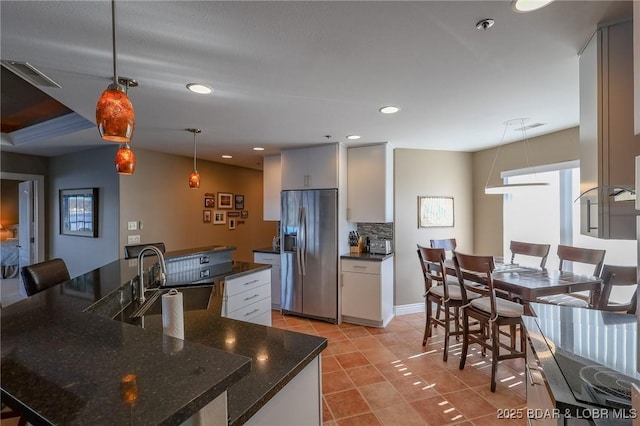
{"x": 272, "y": 259}
{"x": 271, "y": 184}
{"x": 367, "y": 291}
{"x": 310, "y": 168}
{"x": 248, "y": 297}
{"x": 370, "y": 183}
{"x": 608, "y": 144}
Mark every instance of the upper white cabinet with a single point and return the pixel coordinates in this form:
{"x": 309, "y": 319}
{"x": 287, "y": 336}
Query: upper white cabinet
{"x": 608, "y": 145}
{"x": 370, "y": 183}
{"x": 310, "y": 168}
{"x": 271, "y": 184}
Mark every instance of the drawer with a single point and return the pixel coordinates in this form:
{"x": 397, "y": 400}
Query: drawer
{"x": 267, "y": 258}
{"x": 262, "y": 319}
{"x": 359, "y": 266}
{"x": 235, "y": 285}
{"x": 251, "y": 311}
{"x": 238, "y": 301}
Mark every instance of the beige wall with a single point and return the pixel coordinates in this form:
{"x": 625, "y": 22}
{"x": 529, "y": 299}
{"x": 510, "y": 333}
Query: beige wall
{"x": 158, "y": 195}
{"x": 548, "y": 149}
{"x": 424, "y": 172}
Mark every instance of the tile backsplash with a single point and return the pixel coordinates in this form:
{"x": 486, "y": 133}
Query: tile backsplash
{"x": 376, "y": 231}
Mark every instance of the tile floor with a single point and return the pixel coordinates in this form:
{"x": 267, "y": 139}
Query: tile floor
{"x": 374, "y": 376}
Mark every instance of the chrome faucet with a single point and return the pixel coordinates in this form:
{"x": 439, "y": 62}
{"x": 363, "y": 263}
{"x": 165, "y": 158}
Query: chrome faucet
{"x": 163, "y": 270}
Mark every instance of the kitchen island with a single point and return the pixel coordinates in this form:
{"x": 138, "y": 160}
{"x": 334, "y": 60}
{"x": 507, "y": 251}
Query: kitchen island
{"x": 62, "y": 364}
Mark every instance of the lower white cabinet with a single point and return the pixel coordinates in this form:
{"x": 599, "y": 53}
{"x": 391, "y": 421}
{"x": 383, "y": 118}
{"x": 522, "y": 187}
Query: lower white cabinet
{"x": 272, "y": 259}
{"x": 248, "y": 297}
{"x": 367, "y": 291}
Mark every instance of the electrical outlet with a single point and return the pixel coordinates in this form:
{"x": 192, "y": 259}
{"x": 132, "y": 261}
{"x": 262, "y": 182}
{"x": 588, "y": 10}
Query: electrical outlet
{"x": 132, "y": 226}
{"x": 133, "y": 239}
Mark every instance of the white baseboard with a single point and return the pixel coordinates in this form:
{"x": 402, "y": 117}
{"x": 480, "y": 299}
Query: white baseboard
{"x": 413, "y": 308}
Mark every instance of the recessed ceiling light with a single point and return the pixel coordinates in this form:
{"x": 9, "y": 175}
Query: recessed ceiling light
{"x": 226, "y": 156}
{"x": 258, "y": 148}
{"x": 353, "y": 137}
{"x": 529, "y": 5}
{"x": 199, "y": 88}
{"x": 389, "y": 109}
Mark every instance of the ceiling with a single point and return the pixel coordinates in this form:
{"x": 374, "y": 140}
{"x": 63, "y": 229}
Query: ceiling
{"x": 289, "y": 74}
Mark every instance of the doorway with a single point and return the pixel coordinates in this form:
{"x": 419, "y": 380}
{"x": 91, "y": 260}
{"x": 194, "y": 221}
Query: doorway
{"x": 23, "y": 239}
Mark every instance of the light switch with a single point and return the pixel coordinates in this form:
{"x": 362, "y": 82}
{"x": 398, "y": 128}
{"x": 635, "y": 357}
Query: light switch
{"x": 133, "y": 239}
{"x": 132, "y": 225}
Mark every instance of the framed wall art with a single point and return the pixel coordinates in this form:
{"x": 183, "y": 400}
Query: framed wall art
{"x": 239, "y": 202}
{"x": 206, "y": 216}
{"x": 225, "y": 200}
{"x": 244, "y": 214}
{"x": 233, "y": 214}
{"x": 219, "y": 217}
{"x": 209, "y": 200}
{"x": 232, "y": 224}
{"x": 79, "y": 212}
{"x": 435, "y": 212}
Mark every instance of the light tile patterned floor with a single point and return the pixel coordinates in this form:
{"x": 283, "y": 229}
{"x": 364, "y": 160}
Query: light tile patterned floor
{"x": 374, "y": 376}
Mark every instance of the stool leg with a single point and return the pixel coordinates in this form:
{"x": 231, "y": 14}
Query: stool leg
{"x": 427, "y": 328}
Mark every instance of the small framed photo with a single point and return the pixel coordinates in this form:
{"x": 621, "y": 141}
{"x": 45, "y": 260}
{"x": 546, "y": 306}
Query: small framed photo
{"x": 244, "y": 214}
{"x": 435, "y": 212}
{"x": 239, "y": 202}
{"x": 232, "y": 224}
{"x": 79, "y": 212}
{"x": 209, "y": 200}
{"x": 206, "y": 216}
{"x": 225, "y": 200}
{"x": 233, "y": 214}
{"x": 219, "y": 217}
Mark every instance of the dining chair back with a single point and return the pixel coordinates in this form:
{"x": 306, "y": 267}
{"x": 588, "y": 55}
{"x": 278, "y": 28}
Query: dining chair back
{"x": 448, "y": 244}
{"x": 132, "y": 251}
{"x": 618, "y": 276}
{"x": 529, "y": 249}
{"x": 581, "y": 255}
{"x": 441, "y": 292}
{"x": 41, "y": 276}
{"x": 474, "y": 275}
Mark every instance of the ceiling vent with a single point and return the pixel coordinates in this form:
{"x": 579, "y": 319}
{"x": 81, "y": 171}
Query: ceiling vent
{"x": 29, "y": 73}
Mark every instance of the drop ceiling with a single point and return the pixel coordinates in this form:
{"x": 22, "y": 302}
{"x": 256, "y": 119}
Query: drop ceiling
{"x": 289, "y": 74}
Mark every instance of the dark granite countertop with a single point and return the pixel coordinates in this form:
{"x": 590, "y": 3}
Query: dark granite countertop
{"x": 367, "y": 256}
{"x": 67, "y": 365}
{"x": 269, "y": 250}
{"x": 567, "y": 339}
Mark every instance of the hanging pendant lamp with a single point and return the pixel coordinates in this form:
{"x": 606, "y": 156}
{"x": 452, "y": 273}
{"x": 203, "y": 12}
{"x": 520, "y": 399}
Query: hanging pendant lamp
{"x": 125, "y": 160}
{"x": 194, "y": 177}
{"x": 114, "y": 113}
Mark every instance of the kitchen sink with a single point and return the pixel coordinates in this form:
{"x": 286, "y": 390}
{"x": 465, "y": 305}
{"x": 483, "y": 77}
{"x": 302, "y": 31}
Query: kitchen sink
{"x": 193, "y": 298}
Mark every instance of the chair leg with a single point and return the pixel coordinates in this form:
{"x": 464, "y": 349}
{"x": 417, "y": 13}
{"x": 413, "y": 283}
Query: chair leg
{"x": 512, "y": 330}
{"x": 465, "y": 337}
{"x": 438, "y": 308}
{"x": 447, "y": 333}
{"x": 427, "y": 328}
{"x": 456, "y": 313}
{"x": 495, "y": 352}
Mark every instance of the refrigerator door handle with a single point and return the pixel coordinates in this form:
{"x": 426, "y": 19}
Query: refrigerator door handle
{"x": 303, "y": 241}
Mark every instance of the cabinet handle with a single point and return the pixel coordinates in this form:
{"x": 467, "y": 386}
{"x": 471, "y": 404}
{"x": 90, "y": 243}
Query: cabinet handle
{"x": 251, "y": 297}
{"x": 252, "y": 312}
{"x": 251, "y": 282}
{"x": 359, "y": 267}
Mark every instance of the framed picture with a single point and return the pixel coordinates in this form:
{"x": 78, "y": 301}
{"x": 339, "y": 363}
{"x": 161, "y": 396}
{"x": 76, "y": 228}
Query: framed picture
{"x": 239, "y": 202}
{"x": 244, "y": 214}
{"x": 232, "y": 224}
{"x": 435, "y": 212}
{"x": 79, "y": 212}
{"x": 225, "y": 200}
{"x": 206, "y": 216}
{"x": 209, "y": 200}
{"x": 219, "y": 217}
{"x": 233, "y": 214}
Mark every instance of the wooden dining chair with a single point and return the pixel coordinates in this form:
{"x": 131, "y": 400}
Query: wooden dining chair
{"x": 448, "y": 244}
{"x": 491, "y": 312}
{"x": 441, "y": 291}
{"x": 586, "y": 256}
{"x": 529, "y": 249}
{"x": 618, "y": 276}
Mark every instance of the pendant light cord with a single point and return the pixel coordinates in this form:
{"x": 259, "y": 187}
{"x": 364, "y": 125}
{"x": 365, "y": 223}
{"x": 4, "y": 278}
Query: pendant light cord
{"x": 113, "y": 37}
{"x": 194, "y": 150}
{"x": 495, "y": 159}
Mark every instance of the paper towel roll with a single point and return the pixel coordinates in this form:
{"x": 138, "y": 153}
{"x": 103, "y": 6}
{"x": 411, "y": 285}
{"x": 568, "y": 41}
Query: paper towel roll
{"x": 173, "y": 314}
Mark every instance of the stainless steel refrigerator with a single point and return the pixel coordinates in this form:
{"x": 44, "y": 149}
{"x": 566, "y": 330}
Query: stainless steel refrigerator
{"x": 309, "y": 253}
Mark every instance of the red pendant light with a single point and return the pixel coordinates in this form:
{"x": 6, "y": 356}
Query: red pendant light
{"x": 194, "y": 177}
{"x": 125, "y": 160}
{"x": 114, "y": 113}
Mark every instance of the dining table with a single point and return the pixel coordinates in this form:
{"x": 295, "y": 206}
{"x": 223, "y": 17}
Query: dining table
{"x": 528, "y": 283}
